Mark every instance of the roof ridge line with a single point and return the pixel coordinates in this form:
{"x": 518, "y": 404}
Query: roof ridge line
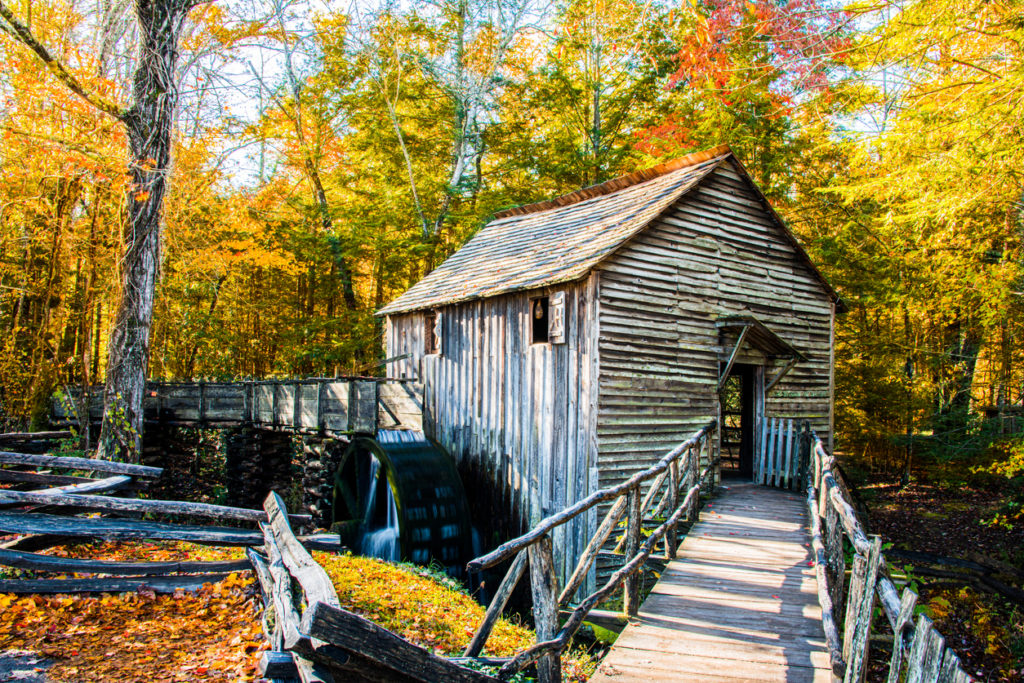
{"x": 616, "y": 184}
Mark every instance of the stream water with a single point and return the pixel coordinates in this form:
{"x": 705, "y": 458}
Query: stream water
{"x": 380, "y": 539}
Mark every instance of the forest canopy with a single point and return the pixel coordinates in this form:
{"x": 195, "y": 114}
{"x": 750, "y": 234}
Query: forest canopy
{"x": 326, "y": 157}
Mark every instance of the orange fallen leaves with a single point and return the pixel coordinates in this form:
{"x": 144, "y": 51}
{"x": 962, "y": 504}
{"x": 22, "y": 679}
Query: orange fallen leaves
{"x": 212, "y": 635}
{"x": 215, "y": 634}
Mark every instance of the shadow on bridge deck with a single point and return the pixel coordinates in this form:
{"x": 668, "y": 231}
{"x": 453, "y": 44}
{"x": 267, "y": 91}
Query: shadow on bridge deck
{"x": 739, "y": 602}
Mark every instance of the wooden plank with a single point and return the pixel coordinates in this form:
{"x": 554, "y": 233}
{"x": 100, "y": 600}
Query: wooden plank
{"x": 277, "y": 665}
{"x": 54, "y": 563}
{"x": 315, "y": 582}
{"x": 916, "y": 659}
{"x": 125, "y": 529}
{"x": 864, "y": 609}
{"x": 39, "y": 477}
{"x": 634, "y": 529}
{"x": 85, "y": 464}
{"x": 167, "y": 507}
{"x": 367, "y": 641}
{"x": 157, "y": 584}
{"x": 773, "y": 426}
{"x": 904, "y": 621}
{"x": 286, "y": 616}
{"x": 787, "y": 469}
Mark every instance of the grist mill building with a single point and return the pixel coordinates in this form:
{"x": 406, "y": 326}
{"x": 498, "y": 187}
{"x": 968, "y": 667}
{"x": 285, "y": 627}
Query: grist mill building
{"x": 574, "y": 341}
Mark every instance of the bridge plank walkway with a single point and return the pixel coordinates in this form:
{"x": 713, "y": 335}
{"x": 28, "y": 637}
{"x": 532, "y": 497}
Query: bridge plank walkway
{"x": 739, "y": 602}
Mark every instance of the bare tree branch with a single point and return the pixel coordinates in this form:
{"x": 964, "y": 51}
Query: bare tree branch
{"x": 24, "y": 36}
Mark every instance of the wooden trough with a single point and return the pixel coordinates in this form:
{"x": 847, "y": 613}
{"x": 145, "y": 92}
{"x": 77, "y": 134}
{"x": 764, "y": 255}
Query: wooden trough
{"x": 314, "y": 405}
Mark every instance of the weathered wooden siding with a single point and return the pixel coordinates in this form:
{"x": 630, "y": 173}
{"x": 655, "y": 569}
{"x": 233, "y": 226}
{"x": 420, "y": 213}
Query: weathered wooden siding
{"x": 716, "y": 252}
{"x": 518, "y": 417}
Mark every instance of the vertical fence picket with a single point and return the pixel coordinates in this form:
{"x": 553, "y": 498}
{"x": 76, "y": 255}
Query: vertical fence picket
{"x": 762, "y": 447}
{"x": 780, "y": 453}
{"x": 770, "y": 455}
{"x": 787, "y": 478}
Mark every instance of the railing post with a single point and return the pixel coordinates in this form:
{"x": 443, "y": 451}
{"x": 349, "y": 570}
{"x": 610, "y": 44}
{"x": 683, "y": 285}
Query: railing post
{"x": 834, "y": 550}
{"x": 693, "y": 463}
{"x": 859, "y": 626}
{"x": 671, "y": 540}
{"x": 712, "y": 457}
{"x": 545, "y": 606}
{"x": 634, "y": 526}
{"x": 498, "y": 602}
{"x": 905, "y": 620}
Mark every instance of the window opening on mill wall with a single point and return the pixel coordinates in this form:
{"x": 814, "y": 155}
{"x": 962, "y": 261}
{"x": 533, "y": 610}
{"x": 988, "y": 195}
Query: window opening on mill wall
{"x": 539, "y": 316}
{"x": 431, "y": 341}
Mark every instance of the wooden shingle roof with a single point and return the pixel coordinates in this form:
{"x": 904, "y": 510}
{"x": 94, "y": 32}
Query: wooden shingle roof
{"x": 557, "y": 241}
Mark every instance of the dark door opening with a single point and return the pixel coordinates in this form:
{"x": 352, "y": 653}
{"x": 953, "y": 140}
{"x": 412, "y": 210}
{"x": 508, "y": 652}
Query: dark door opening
{"x": 738, "y": 401}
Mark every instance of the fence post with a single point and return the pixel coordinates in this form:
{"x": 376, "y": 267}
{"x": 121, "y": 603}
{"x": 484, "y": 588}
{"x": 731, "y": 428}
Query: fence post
{"x": 908, "y": 601}
{"x": 634, "y": 526}
{"x": 712, "y": 457}
{"x": 545, "y": 606}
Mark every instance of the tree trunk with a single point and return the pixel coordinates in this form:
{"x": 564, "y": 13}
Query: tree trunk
{"x": 149, "y": 122}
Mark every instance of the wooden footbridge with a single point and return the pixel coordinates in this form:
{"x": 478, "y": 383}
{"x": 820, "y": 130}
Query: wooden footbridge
{"x": 739, "y": 602}
{"x": 758, "y": 590}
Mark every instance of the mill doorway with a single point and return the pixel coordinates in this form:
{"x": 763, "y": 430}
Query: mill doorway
{"x": 739, "y": 399}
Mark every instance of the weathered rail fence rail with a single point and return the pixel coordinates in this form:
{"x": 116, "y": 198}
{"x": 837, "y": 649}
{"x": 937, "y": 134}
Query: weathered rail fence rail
{"x": 314, "y": 405}
{"x": 919, "y": 654}
{"x": 673, "y": 487}
{"x": 32, "y": 515}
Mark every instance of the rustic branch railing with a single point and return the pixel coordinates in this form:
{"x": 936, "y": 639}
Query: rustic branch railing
{"x": 675, "y": 483}
{"x": 918, "y": 649}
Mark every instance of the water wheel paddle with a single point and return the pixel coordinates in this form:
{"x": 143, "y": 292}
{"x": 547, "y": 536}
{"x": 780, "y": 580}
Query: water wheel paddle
{"x": 400, "y": 496}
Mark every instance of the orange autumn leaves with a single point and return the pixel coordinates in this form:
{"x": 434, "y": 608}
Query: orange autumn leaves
{"x": 212, "y": 635}
{"x": 215, "y": 634}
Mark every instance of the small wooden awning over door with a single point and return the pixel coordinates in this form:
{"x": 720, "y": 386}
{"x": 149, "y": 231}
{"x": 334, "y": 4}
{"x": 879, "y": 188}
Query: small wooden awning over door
{"x": 751, "y": 331}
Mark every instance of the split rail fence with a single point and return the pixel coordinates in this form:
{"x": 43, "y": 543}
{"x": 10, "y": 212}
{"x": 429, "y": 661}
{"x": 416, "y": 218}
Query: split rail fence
{"x": 45, "y": 517}
{"x": 673, "y": 487}
{"x": 919, "y": 654}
